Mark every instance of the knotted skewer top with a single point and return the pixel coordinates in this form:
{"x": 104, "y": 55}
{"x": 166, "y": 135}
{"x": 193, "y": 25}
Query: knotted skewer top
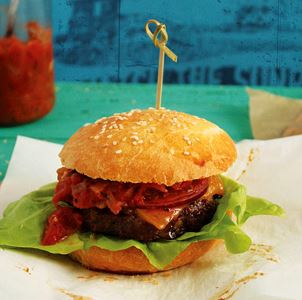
{"x": 160, "y": 43}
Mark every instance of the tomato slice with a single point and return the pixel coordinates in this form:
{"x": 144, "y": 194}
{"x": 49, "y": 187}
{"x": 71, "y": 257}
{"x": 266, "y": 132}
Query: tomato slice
{"x": 177, "y": 197}
{"x": 62, "y": 223}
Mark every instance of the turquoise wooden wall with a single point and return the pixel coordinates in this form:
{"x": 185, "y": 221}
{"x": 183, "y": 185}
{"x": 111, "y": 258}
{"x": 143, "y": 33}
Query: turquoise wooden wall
{"x": 218, "y": 41}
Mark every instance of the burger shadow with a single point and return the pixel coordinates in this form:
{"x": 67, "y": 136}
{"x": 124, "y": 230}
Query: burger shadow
{"x": 33, "y": 259}
{"x": 35, "y": 256}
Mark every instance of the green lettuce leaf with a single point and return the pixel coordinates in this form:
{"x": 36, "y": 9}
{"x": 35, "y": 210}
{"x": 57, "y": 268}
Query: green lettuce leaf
{"x": 23, "y": 223}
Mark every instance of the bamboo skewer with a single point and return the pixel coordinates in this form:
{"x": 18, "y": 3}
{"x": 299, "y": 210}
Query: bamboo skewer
{"x": 160, "y": 77}
{"x": 163, "y": 49}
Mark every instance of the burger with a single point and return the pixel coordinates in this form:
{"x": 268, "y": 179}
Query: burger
{"x": 140, "y": 192}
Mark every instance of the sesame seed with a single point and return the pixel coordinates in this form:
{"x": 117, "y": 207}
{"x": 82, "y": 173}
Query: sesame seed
{"x": 86, "y": 124}
{"x": 142, "y": 123}
{"x": 118, "y": 151}
{"x": 189, "y": 142}
{"x": 172, "y": 151}
{"x": 140, "y": 141}
{"x": 134, "y": 132}
{"x": 197, "y": 139}
{"x": 114, "y": 143}
{"x": 134, "y": 137}
{"x": 152, "y": 142}
{"x": 124, "y": 139}
{"x": 185, "y": 138}
{"x": 120, "y": 126}
{"x": 109, "y": 136}
{"x": 96, "y": 137}
{"x": 186, "y": 153}
{"x": 134, "y": 143}
{"x": 178, "y": 125}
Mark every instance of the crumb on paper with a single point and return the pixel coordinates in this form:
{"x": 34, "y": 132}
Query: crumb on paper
{"x": 230, "y": 291}
{"x": 73, "y": 296}
{"x": 25, "y": 269}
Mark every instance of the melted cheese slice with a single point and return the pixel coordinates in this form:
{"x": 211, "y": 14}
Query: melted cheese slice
{"x": 160, "y": 218}
{"x": 215, "y": 188}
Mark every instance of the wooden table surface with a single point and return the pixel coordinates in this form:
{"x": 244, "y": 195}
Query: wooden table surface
{"x": 80, "y": 103}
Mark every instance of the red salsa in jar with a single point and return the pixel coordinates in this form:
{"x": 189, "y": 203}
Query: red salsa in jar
{"x": 26, "y": 76}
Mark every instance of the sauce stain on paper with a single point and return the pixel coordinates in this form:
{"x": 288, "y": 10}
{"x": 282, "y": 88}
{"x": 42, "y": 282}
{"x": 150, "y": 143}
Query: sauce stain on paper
{"x": 264, "y": 251}
{"x": 110, "y": 278}
{"x": 165, "y": 274}
{"x": 229, "y": 292}
{"x": 97, "y": 275}
{"x": 90, "y": 275}
{"x": 250, "y": 159}
{"x": 258, "y": 251}
{"x": 147, "y": 279}
{"x": 73, "y": 296}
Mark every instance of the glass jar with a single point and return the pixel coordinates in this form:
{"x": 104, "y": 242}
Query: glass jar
{"x": 26, "y": 63}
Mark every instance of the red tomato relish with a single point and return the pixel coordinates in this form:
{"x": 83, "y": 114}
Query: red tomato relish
{"x": 82, "y": 192}
{"x": 26, "y": 76}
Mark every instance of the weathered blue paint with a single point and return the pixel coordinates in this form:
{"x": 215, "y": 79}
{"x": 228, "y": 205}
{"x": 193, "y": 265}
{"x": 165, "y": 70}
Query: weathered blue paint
{"x": 217, "y": 41}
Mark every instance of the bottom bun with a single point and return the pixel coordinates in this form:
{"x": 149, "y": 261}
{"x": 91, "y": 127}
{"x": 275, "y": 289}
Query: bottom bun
{"x": 133, "y": 261}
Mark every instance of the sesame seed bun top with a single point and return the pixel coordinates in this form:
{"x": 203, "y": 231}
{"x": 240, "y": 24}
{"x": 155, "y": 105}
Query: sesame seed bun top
{"x": 159, "y": 146}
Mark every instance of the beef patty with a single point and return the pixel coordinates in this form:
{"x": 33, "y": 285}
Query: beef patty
{"x": 128, "y": 225}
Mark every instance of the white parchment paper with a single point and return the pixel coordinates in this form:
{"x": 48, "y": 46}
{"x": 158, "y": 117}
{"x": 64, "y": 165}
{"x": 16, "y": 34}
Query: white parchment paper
{"x": 272, "y": 269}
